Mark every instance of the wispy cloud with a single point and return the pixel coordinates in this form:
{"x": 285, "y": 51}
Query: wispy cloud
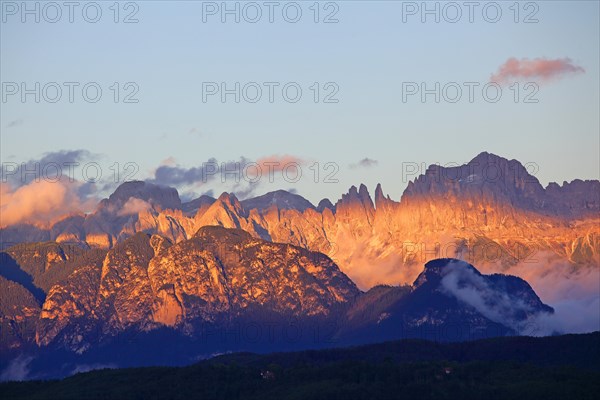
{"x": 537, "y": 69}
{"x": 134, "y": 206}
{"x": 572, "y": 292}
{"x": 169, "y": 161}
{"x": 473, "y": 289}
{"x": 91, "y": 367}
{"x": 50, "y": 166}
{"x": 244, "y": 191}
{"x": 242, "y": 177}
{"x": 195, "y": 131}
{"x": 14, "y": 123}
{"x": 17, "y": 369}
{"x": 171, "y": 174}
{"x": 277, "y": 163}
{"x": 365, "y": 163}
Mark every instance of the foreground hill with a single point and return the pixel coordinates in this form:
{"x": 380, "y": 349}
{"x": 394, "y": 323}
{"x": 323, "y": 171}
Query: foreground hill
{"x": 516, "y": 368}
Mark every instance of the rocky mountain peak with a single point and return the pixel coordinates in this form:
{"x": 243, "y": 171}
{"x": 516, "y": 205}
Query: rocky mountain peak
{"x": 359, "y": 196}
{"x": 380, "y": 198}
{"x": 230, "y": 202}
{"x": 352, "y": 193}
{"x": 221, "y": 234}
{"x": 485, "y": 158}
{"x": 162, "y": 197}
{"x": 325, "y": 203}
{"x": 435, "y": 270}
{"x": 378, "y": 193}
{"x": 229, "y": 199}
{"x": 486, "y": 177}
{"x": 280, "y": 199}
{"x": 193, "y": 206}
{"x": 503, "y": 299}
{"x": 576, "y": 198}
{"x": 363, "y": 192}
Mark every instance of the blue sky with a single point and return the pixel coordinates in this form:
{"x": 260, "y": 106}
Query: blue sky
{"x": 368, "y": 54}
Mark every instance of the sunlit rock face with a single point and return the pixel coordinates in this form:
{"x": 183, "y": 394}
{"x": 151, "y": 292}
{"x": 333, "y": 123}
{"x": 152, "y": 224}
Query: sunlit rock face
{"x": 221, "y": 277}
{"x": 19, "y": 312}
{"x": 490, "y": 211}
{"x": 147, "y": 282}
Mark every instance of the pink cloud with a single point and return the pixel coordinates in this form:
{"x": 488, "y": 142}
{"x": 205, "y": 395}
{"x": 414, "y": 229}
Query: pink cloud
{"x": 41, "y": 203}
{"x": 169, "y": 161}
{"x": 279, "y": 163}
{"x": 269, "y": 165}
{"x": 134, "y": 206}
{"x": 538, "y": 69}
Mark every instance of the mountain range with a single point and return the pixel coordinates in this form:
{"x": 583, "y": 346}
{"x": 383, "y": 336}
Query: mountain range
{"x": 147, "y": 279}
{"x": 490, "y": 212}
{"x": 223, "y": 290}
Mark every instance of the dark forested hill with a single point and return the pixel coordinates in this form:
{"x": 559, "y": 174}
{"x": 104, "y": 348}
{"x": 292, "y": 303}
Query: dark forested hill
{"x": 503, "y": 368}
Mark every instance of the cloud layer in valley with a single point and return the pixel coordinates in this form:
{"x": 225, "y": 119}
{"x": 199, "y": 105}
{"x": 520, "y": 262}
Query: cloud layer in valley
{"x": 572, "y": 292}
{"x": 473, "y": 289}
{"x": 17, "y": 369}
